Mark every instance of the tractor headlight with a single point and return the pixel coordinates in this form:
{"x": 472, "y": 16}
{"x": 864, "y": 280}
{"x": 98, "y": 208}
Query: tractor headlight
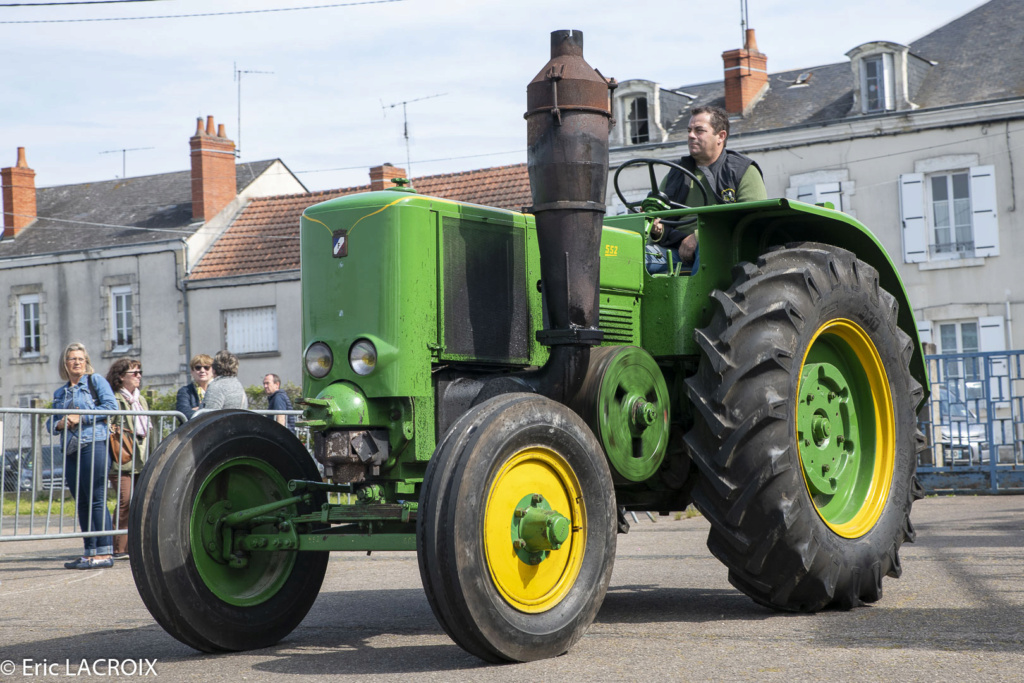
{"x": 319, "y": 359}
{"x": 363, "y": 357}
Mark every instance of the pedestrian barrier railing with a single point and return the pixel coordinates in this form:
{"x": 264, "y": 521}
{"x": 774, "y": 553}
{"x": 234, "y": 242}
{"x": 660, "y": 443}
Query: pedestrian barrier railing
{"x": 973, "y": 423}
{"x": 50, "y": 477}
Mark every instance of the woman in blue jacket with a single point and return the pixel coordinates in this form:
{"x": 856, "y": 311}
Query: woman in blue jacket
{"x": 84, "y": 440}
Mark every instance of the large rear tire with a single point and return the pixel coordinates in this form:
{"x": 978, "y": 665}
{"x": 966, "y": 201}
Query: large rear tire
{"x": 806, "y": 433}
{"x": 225, "y": 458}
{"x": 513, "y": 460}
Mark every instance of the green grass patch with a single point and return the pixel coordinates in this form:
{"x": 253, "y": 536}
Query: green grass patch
{"x": 22, "y": 504}
{"x": 688, "y": 513}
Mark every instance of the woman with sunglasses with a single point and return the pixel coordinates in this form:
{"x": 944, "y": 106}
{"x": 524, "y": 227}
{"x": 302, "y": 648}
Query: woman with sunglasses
{"x": 192, "y": 394}
{"x": 125, "y": 378}
{"x": 84, "y": 441}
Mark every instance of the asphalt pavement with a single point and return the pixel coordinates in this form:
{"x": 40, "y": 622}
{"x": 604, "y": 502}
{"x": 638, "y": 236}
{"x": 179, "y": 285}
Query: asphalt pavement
{"x": 957, "y": 614}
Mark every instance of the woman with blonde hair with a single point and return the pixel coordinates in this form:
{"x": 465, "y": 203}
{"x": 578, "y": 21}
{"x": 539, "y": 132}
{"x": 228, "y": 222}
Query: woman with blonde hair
{"x": 125, "y": 378}
{"x": 84, "y": 440}
{"x": 192, "y": 394}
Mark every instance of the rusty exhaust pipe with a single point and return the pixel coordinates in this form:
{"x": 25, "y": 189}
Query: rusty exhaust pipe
{"x": 568, "y": 122}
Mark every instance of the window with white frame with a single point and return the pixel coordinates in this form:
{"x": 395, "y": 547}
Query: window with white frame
{"x": 876, "y": 83}
{"x": 960, "y": 337}
{"x": 29, "y": 325}
{"x": 965, "y": 336}
{"x": 121, "y": 319}
{"x": 949, "y": 214}
{"x": 250, "y": 330}
{"x": 639, "y": 125}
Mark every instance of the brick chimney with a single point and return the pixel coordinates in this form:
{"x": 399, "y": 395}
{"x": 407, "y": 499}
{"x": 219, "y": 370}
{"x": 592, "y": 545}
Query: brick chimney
{"x": 746, "y": 76}
{"x": 213, "y": 170}
{"x": 19, "y": 190}
{"x": 380, "y": 176}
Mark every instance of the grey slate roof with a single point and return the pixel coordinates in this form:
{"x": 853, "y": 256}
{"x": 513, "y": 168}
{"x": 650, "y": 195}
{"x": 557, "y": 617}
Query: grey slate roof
{"x": 978, "y": 57}
{"x": 72, "y": 217}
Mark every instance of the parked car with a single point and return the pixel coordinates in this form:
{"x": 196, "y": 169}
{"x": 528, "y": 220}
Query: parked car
{"x": 962, "y": 435}
{"x": 14, "y": 471}
{"x": 19, "y": 470}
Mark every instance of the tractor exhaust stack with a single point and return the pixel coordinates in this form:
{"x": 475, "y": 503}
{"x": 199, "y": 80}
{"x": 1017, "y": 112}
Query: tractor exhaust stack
{"x": 568, "y": 122}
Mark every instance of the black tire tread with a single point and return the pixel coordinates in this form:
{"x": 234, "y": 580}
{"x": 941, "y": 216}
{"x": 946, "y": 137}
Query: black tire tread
{"x": 759, "y": 530}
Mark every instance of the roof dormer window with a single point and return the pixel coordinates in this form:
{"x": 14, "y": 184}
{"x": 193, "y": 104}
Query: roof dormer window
{"x": 639, "y": 110}
{"x": 886, "y": 77}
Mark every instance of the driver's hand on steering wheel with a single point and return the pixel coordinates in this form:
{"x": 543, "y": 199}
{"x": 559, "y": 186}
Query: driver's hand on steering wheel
{"x": 657, "y": 230}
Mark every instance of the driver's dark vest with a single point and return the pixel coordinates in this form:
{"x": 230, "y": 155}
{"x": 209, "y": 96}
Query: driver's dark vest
{"x": 725, "y": 172}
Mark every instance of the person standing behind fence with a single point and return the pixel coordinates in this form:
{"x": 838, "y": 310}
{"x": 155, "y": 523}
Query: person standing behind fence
{"x": 225, "y": 391}
{"x": 125, "y": 378}
{"x": 193, "y": 393}
{"x": 84, "y": 439}
{"x": 277, "y": 399}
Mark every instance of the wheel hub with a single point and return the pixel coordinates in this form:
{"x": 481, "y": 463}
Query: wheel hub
{"x": 535, "y": 543}
{"x": 845, "y": 428}
{"x": 537, "y": 529}
{"x": 826, "y": 417}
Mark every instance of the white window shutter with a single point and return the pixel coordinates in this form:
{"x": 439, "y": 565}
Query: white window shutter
{"x": 924, "y": 331}
{"x": 250, "y": 330}
{"x": 829, "y": 192}
{"x": 890, "y": 81}
{"x": 915, "y": 232}
{"x": 991, "y": 337}
{"x": 983, "y": 205}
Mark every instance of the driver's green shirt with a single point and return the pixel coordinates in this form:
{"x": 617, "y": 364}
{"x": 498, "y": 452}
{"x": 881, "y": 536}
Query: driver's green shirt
{"x": 751, "y": 188}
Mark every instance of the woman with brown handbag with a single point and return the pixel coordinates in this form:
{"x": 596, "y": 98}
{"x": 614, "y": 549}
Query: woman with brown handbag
{"x": 129, "y": 437}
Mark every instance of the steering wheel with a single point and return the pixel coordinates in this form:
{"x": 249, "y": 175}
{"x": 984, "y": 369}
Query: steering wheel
{"x": 656, "y": 193}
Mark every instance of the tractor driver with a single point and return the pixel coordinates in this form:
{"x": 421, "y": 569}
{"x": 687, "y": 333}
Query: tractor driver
{"x": 727, "y": 177}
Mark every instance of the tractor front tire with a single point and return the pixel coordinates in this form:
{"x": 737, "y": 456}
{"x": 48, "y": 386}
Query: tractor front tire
{"x": 516, "y": 471}
{"x": 806, "y": 434}
{"x": 223, "y": 461}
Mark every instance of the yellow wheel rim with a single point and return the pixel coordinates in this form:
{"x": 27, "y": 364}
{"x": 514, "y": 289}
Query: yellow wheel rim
{"x": 845, "y": 428}
{"x": 539, "y": 587}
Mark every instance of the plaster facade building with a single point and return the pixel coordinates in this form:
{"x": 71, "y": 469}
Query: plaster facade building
{"x": 103, "y": 263}
{"x": 922, "y": 143}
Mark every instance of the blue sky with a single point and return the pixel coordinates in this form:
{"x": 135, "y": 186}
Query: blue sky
{"x": 69, "y": 91}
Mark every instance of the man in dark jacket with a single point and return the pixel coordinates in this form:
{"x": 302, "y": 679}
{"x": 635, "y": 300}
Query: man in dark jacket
{"x": 277, "y": 399}
{"x": 727, "y": 177}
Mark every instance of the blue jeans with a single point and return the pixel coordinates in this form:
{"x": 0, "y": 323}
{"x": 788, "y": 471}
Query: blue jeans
{"x": 656, "y": 259}
{"x": 85, "y": 473}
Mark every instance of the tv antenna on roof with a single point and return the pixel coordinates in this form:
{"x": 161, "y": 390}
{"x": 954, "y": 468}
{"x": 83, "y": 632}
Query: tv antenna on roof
{"x": 744, "y": 22}
{"x": 238, "y": 79}
{"x": 405, "y": 124}
{"x": 124, "y": 153}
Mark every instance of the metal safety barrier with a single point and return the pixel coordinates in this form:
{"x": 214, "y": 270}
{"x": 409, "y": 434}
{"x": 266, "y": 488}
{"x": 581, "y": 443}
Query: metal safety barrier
{"x": 974, "y": 423}
{"x": 43, "y": 471}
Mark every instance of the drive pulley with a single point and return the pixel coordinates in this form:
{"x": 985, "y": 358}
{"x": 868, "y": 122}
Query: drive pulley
{"x": 625, "y": 401}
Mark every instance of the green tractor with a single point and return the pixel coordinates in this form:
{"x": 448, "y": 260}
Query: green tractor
{"x": 498, "y": 390}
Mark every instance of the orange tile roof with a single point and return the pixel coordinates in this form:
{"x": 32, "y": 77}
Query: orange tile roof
{"x": 264, "y": 237}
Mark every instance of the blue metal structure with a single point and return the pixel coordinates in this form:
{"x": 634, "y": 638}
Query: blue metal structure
{"x": 974, "y": 424}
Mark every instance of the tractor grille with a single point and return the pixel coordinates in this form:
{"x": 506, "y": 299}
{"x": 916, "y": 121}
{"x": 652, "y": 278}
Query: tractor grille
{"x": 618, "y": 325}
{"x": 486, "y": 315}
